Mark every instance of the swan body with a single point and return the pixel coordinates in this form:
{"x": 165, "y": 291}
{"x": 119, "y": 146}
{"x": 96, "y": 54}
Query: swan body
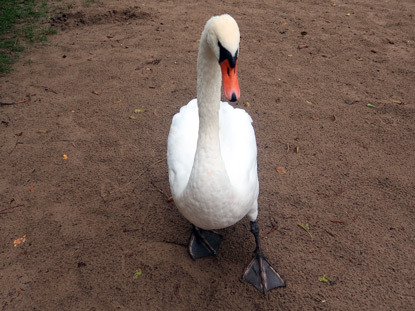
{"x": 216, "y": 190}
{"x": 212, "y": 154}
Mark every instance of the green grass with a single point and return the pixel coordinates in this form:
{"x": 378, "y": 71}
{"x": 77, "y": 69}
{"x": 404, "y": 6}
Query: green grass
{"x": 21, "y": 25}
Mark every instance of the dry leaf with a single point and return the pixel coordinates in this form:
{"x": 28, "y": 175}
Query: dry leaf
{"x": 31, "y": 189}
{"x": 19, "y": 241}
{"x": 280, "y": 170}
{"x": 306, "y": 227}
{"x": 65, "y": 157}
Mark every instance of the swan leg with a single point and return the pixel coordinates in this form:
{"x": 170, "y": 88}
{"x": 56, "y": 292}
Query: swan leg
{"x": 204, "y": 243}
{"x": 260, "y": 272}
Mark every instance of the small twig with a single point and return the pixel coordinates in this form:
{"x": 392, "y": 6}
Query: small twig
{"x": 5, "y": 210}
{"x": 338, "y": 221}
{"x": 330, "y": 233}
{"x": 271, "y": 230}
{"x": 148, "y": 167}
{"x": 159, "y": 190}
{"x": 45, "y": 88}
{"x": 17, "y": 102}
{"x": 15, "y": 145}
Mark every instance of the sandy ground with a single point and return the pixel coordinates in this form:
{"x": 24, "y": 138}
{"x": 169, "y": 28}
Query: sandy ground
{"x": 330, "y": 87}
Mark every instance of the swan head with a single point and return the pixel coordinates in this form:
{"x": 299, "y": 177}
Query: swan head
{"x": 222, "y": 36}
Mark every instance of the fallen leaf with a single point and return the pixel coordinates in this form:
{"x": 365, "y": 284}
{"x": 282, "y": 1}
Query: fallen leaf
{"x": 19, "y": 241}
{"x": 371, "y": 106}
{"x": 133, "y": 118}
{"x": 348, "y": 14}
{"x": 65, "y": 156}
{"x": 308, "y": 102}
{"x": 323, "y": 279}
{"x": 31, "y": 189}
{"x": 137, "y": 274}
{"x": 280, "y": 170}
{"x": 306, "y": 227}
{"x": 139, "y": 110}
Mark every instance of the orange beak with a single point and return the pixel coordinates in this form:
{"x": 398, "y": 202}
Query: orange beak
{"x": 230, "y": 81}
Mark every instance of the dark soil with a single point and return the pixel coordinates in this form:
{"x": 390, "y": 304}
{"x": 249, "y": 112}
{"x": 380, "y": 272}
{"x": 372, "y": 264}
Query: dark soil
{"x": 330, "y": 87}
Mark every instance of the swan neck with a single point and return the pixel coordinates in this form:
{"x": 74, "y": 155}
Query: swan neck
{"x": 208, "y": 84}
{"x": 208, "y": 100}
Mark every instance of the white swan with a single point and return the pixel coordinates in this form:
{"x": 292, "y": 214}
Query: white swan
{"x": 212, "y": 154}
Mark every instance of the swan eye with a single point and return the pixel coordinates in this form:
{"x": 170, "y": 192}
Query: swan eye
{"x": 225, "y": 54}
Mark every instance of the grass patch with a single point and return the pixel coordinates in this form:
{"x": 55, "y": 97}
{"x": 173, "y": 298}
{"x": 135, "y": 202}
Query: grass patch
{"x": 20, "y": 25}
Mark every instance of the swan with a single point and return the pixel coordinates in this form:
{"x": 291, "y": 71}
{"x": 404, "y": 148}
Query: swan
{"x": 212, "y": 154}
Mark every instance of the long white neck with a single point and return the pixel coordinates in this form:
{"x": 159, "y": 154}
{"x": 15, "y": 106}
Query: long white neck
{"x": 208, "y": 90}
{"x": 208, "y": 166}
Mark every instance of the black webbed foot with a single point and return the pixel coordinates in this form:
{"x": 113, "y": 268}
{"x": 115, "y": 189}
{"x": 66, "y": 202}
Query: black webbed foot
{"x": 260, "y": 272}
{"x": 204, "y": 243}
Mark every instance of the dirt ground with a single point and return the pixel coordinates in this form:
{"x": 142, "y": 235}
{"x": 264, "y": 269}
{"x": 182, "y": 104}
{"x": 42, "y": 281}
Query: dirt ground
{"x": 330, "y": 87}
